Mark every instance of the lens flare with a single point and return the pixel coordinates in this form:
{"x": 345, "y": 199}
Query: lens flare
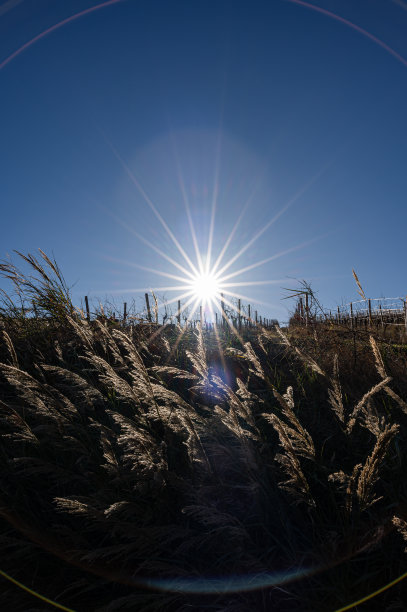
{"x": 205, "y": 287}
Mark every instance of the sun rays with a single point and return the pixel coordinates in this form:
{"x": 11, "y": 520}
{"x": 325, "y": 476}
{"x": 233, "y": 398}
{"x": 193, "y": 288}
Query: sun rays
{"x": 208, "y": 281}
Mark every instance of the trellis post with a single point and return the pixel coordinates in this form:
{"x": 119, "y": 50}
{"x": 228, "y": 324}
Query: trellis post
{"x": 87, "y": 308}
{"x": 148, "y": 308}
{"x": 179, "y": 312}
{"x": 306, "y": 310}
{"x": 239, "y": 314}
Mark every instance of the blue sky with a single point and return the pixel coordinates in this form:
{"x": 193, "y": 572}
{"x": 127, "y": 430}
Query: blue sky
{"x": 272, "y": 105}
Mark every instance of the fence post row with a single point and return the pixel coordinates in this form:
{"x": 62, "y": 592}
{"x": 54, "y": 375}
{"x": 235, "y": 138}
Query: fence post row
{"x": 222, "y": 306}
{"x": 306, "y": 309}
{"x": 239, "y": 313}
{"x": 352, "y": 317}
{"x": 87, "y": 308}
{"x": 179, "y": 312}
{"x": 148, "y": 308}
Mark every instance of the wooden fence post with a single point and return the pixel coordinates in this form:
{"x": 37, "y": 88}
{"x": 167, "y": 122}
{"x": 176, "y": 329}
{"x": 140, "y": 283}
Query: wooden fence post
{"x": 179, "y": 313}
{"x": 87, "y": 308}
{"x": 200, "y": 315}
{"x": 306, "y": 310}
{"x": 255, "y": 314}
{"x": 148, "y": 308}
{"x": 239, "y": 314}
{"x": 351, "y": 315}
{"x": 370, "y": 312}
{"x": 301, "y": 310}
{"x": 124, "y": 312}
{"x": 222, "y": 307}
{"x": 249, "y": 319}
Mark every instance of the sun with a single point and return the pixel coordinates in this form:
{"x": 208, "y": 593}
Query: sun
{"x": 205, "y": 287}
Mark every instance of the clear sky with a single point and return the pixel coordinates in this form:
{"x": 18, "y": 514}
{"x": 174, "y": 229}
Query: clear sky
{"x": 114, "y": 124}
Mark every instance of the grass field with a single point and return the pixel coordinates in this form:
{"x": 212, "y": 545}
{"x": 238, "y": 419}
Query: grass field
{"x": 150, "y": 469}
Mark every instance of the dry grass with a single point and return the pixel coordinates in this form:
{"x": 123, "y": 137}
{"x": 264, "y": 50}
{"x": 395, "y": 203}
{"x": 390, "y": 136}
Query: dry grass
{"x": 136, "y": 474}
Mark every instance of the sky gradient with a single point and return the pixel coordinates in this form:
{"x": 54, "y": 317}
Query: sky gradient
{"x": 290, "y": 118}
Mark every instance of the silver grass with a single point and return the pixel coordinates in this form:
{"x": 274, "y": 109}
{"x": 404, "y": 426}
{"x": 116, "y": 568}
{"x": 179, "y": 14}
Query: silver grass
{"x": 24, "y": 432}
{"x": 230, "y": 350}
{"x": 195, "y": 447}
{"x": 139, "y": 391}
{"x": 253, "y": 360}
{"x": 378, "y": 358}
{"x": 58, "y": 351}
{"x": 166, "y": 344}
{"x": 244, "y": 394}
{"x": 231, "y": 420}
{"x": 228, "y": 420}
{"x": 335, "y": 394}
{"x": 352, "y": 486}
{"x": 401, "y": 526}
{"x": 304, "y": 357}
{"x": 110, "y": 379}
{"x": 375, "y": 424}
{"x": 73, "y": 385}
{"x": 10, "y": 348}
{"x": 238, "y": 405}
{"x": 381, "y": 370}
{"x": 299, "y": 436}
{"x": 44, "y": 399}
{"x": 75, "y": 506}
{"x": 116, "y": 508}
{"x": 198, "y": 359}
{"x": 369, "y": 473}
{"x": 360, "y": 290}
{"x": 137, "y": 442}
{"x": 137, "y": 368}
{"x": 109, "y": 342}
{"x": 260, "y": 342}
{"x": 397, "y": 398}
{"x": 375, "y": 389}
{"x": 171, "y": 399}
{"x": 350, "y": 482}
{"x": 112, "y": 464}
{"x": 296, "y": 482}
{"x": 82, "y": 331}
{"x": 174, "y": 372}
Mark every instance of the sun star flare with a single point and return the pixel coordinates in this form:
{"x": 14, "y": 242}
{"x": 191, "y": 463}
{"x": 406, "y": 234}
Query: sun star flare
{"x": 205, "y": 287}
